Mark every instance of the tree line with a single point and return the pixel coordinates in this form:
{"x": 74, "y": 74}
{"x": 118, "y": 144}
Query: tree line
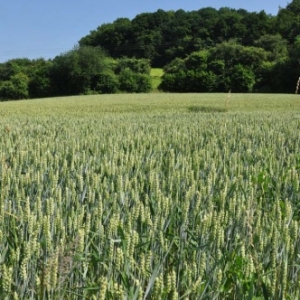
{"x": 208, "y": 50}
{"x": 231, "y": 66}
{"x": 80, "y": 71}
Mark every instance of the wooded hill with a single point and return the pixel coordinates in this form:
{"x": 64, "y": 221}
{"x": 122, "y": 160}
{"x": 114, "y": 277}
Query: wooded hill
{"x": 207, "y": 50}
{"x": 165, "y": 35}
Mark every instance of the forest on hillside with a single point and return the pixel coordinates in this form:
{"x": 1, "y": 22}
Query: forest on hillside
{"x": 208, "y": 50}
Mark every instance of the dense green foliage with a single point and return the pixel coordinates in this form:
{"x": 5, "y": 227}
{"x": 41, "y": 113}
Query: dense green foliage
{"x": 208, "y": 50}
{"x": 149, "y": 203}
{"x": 83, "y": 70}
{"x": 253, "y": 52}
{"x": 228, "y": 66}
{"x": 165, "y": 35}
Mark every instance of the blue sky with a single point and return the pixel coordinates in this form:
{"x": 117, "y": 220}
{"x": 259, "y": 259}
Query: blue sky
{"x": 37, "y": 28}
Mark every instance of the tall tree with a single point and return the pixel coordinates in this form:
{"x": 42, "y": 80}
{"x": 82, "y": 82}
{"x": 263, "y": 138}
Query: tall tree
{"x": 78, "y": 71}
{"x": 288, "y": 21}
{"x": 16, "y": 88}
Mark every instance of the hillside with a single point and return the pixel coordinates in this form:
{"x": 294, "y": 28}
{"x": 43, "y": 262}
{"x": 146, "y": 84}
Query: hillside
{"x": 164, "y": 35}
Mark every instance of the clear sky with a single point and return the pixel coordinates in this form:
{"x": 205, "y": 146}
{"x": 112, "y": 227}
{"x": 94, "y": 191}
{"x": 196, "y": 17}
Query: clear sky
{"x": 46, "y": 28}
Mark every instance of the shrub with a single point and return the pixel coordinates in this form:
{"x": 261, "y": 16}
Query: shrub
{"x": 107, "y": 84}
{"x": 134, "y": 82}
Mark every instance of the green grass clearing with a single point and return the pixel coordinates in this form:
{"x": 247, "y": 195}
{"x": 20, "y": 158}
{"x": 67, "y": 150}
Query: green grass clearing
{"x": 156, "y": 74}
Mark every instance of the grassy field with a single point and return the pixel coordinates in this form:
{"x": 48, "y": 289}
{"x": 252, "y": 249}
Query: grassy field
{"x": 157, "y": 196}
{"x": 156, "y": 74}
{"x": 148, "y": 103}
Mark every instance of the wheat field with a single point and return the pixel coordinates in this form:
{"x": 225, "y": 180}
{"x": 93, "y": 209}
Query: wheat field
{"x": 160, "y": 196}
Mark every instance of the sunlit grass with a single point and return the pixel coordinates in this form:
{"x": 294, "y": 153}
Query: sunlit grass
{"x": 164, "y": 102}
{"x": 156, "y": 74}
